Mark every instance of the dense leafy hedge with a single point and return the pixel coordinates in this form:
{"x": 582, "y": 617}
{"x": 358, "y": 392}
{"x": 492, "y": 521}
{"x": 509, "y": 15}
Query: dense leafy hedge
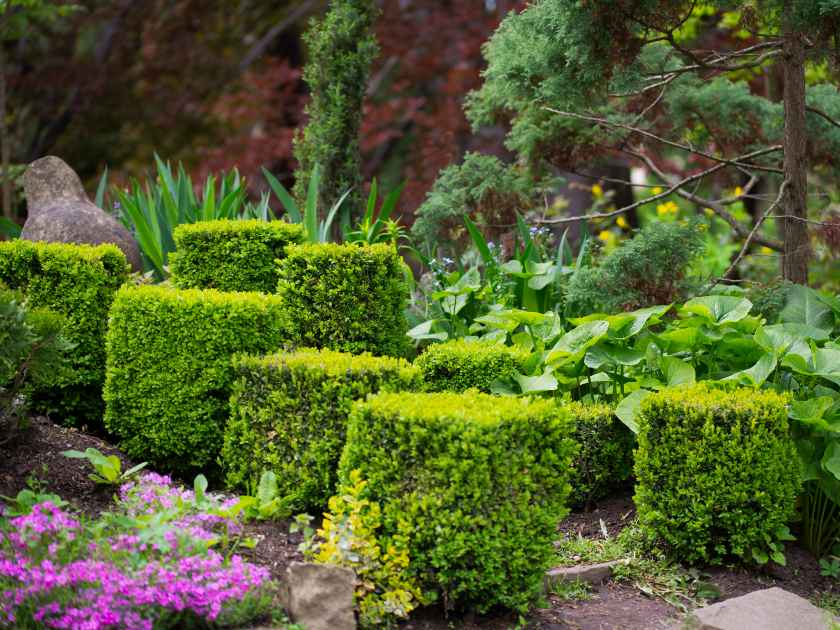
{"x": 289, "y": 415}
{"x": 717, "y": 473}
{"x": 231, "y": 255}
{"x": 460, "y": 365}
{"x": 605, "y": 460}
{"x": 79, "y": 283}
{"x": 169, "y": 371}
{"x": 476, "y": 482}
{"x": 348, "y": 298}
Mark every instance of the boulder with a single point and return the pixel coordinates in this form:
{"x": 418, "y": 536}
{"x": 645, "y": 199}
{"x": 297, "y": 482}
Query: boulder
{"x": 768, "y": 609}
{"x": 320, "y": 596}
{"x": 59, "y": 211}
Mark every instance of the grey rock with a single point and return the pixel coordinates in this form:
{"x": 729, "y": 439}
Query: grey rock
{"x": 60, "y": 212}
{"x": 768, "y": 609}
{"x": 591, "y": 573}
{"x": 320, "y": 596}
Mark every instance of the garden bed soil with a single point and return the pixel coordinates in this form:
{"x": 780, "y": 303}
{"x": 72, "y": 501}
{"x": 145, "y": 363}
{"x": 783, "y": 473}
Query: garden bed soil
{"x": 613, "y": 605}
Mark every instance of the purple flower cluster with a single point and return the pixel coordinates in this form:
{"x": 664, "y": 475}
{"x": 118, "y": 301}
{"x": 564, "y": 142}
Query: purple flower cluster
{"x": 153, "y": 560}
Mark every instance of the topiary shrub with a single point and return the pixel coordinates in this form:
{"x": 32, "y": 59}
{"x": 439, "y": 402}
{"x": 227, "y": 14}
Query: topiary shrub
{"x": 170, "y": 371}
{"x": 717, "y": 474}
{"x": 348, "y": 298}
{"x": 456, "y": 366}
{"x": 477, "y": 484}
{"x": 289, "y": 415}
{"x": 77, "y": 282}
{"x": 605, "y": 460}
{"x": 231, "y": 255}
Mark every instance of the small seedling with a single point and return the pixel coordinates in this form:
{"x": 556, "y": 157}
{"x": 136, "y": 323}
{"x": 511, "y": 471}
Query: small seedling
{"x": 830, "y": 567}
{"x": 266, "y": 503}
{"x": 108, "y": 468}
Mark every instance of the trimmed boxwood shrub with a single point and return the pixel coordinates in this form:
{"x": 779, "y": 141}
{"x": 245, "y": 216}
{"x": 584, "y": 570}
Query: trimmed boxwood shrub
{"x": 605, "y": 460}
{"x": 170, "y": 371}
{"x": 348, "y": 298}
{"x": 231, "y": 255}
{"x": 717, "y": 474}
{"x": 460, "y": 365}
{"x": 79, "y": 283}
{"x": 289, "y": 415}
{"x": 476, "y": 482}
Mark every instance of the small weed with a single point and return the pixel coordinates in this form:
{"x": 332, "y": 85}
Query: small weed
{"x": 576, "y": 590}
{"x": 828, "y": 600}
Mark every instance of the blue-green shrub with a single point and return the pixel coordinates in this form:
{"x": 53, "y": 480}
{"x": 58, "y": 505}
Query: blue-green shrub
{"x": 289, "y": 415}
{"x": 77, "y": 282}
{"x": 459, "y": 365}
{"x": 476, "y": 482}
{"x": 231, "y": 255}
{"x": 170, "y": 371}
{"x": 717, "y": 472}
{"x": 348, "y": 298}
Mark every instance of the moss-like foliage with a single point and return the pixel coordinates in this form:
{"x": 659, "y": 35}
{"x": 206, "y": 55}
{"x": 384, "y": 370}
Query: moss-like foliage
{"x": 170, "y": 371}
{"x": 348, "y": 298}
{"x": 231, "y": 255}
{"x": 79, "y": 283}
{"x": 605, "y": 460}
{"x": 476, "y": 482}
{"x": 289, "y": 415}
{"x": 456, "y": 366}
{"x": 717, "y": 472}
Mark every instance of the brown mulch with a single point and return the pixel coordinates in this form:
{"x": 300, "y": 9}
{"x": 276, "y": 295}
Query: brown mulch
{"x": 614, "y": 605}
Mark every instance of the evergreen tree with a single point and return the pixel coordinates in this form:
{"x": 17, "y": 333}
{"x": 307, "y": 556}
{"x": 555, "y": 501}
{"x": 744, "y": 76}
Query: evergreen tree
{"x": 341, "y": 47}
{"x": 702, "y": 94}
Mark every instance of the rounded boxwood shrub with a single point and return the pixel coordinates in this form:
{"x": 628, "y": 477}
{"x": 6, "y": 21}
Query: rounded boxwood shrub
{"x": 77, "y": 282}
{"x": 605, "y": 460}
{"x": 459, "y": 365}
{"x": 289, "y": 415}
{"x": 170, "y": 370}
{"x": 476, "y": 483}
{"x": 348, "y": 298}
{"x": 231, "y": 255}
{"x": 717, "y": 474}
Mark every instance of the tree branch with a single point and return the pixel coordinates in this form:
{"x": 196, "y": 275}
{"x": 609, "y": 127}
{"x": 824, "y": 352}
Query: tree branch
{"x": 821, "y": 113}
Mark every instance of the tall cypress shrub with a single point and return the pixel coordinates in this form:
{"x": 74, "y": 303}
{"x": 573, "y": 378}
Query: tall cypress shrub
{"x": 341, "y": 47}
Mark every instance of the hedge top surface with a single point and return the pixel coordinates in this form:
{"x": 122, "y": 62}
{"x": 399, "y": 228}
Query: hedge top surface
{"x": 226, "y": 228}
{"x": 331, "y": 362}
{"x": 476, "y": 350}
{"x": 198, "y": 297}
{"x": 109, "y": 256}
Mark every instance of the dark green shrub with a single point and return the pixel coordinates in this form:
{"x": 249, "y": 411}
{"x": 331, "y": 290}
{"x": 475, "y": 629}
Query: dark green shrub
{"x": 476, "y": 482}
{"x": 348, "y": 298}
{"x": 231, "y": 255}
{"x": 289, "y": 415}
{"x": 77, "y": 282}
{"x": 716, "y": 472}
{"x": 170, "y": 373}
{"x": 456, "y": 366}
{"x": 605, "y": 460}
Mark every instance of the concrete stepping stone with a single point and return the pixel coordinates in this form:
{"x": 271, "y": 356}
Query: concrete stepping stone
{"x": 768, "y": 609}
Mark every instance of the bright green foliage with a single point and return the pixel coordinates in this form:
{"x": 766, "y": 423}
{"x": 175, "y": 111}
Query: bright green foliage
{"x": 385, "y": 590}
{"x": 476, "y": 482}
{"x": 289, "y": 415}
{"x": 459, "y": 365}
{"x": 717, "y": 473}
{"x": 108, "y": 468}
{"x": 651, "y": 268}
{"x": 605, "y": 460}
{"x": 77, "y": 282}
{"x": 344, "y": 297}
{"x": 341, "y": 47}
{"x": 169, "y": 371}
{"x": 231, "y": 255}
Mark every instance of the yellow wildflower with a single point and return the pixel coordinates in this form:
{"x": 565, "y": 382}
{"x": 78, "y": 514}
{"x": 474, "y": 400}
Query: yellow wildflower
{"x": 766, "y": 251}
{"x": 669, "y": 207}
{"x": 709, "y": 212}
{"x": 738, "y": 191}
{"x": 597, "y": 191}
{"x": 622, "y": 223}
{"x": 656, "y": 190}
{"x": 605, "y": 236}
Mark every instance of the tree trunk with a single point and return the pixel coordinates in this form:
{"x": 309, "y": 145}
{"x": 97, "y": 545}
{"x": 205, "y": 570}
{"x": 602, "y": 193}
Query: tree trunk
{"x": 794, "y": 227}
{"x": 4, "y": 139}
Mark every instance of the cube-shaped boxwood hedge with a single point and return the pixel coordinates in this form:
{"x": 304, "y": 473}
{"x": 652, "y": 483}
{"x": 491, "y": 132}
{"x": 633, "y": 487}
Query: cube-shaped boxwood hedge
{"x": 78, "y": 282}
{"x": 289, "y": 415}
{"x": 459, "y": 365}
{"x": 605, "y": 460}
{"x": 477, "y": 482}
{"x": 717, "y": 473}
{"x": 231, "y": 255}
{"x": 170, "y": 370}
{"x": 348, "y": 298}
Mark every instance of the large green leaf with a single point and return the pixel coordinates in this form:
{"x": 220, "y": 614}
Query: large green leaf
{"x": 545, "y": 382}
{"x": 628, "y": 409}
{"x": 677, "y": 371}
{"x": 806, "y": 306}
{"x": 573, "y": 345}
{"x": 612, "y": 355}
{"x": 757, "y": 374}
{"x": 718, "y": 309}
{"x": 789, "y": 337}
